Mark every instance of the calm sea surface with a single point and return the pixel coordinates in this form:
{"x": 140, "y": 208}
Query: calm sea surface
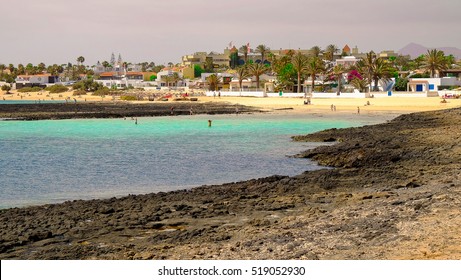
{"x": 57, "y": 160}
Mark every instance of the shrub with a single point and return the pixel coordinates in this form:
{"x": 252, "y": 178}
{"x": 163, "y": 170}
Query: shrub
{"x": 87, "y": 85}
{"x": 79, "y": 92}
{"x": 425, "y": 75}
{"x": 57, "y": 89}
{"x": 30, "y": 89}
{"x": 102, "y": 92}
{"x": 6, "y": 88}
{"x": 128, "y": 97}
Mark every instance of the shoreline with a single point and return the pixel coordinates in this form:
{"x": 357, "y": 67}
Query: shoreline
{"x": 391, "y": 195}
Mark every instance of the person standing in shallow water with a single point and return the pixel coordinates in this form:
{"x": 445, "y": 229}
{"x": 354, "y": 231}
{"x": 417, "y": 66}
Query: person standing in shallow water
{"x": 209, "y": 123}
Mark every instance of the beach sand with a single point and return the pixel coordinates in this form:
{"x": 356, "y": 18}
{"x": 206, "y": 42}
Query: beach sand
{"x": 378, "y": 105}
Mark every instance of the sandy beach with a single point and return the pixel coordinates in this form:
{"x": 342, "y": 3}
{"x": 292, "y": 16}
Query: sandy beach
{"x": 378, "y": 105}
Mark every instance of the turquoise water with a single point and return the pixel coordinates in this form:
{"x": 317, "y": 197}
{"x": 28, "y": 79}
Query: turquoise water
{"x": 30, "y": 101}
{"x": 58, "y": 160}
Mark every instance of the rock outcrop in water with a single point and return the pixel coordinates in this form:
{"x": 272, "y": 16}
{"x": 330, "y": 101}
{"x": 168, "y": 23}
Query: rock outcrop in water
{"x": 116, "y": 110}
{"x": 395, "y": 193}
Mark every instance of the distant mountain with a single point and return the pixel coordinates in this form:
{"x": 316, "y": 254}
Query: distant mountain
{"x": 414, "y": 50}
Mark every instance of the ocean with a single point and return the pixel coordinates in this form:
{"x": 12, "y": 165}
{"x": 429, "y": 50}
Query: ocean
{"x": 54, "y": 161}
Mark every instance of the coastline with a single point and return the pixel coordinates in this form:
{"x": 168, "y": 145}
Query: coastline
{"x": 392, "y": 195}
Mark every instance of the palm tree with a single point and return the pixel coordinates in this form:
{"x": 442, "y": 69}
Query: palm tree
{"x": 213, "y": 81}
{"x": 435, "y": 62}
{"x": 80, "y": 60}
{"x": 175, "y": 78}
{"x": 262, "y": 49}
{"x": 299, "y": 62}
{"x": 209, "y": 64}
{"x": 242, "y": 73}
{"x": 41, "y": 67}
{"x": 244, "y": 49}
{"x": 316, "y": 50}
{"x": 257, "y": 69}
{"x": 375, "y": 69}
{"x": 314, "y": 66}
{"x": 330, "y": 51}
{"x": 338, "y": 72}
{"x": 360, "y": 84}
{"x": 167, "y": 79}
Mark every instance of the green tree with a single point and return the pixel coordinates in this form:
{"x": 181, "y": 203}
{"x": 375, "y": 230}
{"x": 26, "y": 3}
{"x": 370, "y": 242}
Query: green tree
{"x": 209, "y": 64}
{"x": 434, "y": 62}
{"x": 244, "y": 49}
{"x": 360, "y": 84}
{"x": 316, "y": 51}
{"x": 401, "y": 84}
{"x": 256, "y": 70}
{"x": 198, "y": 71}
{"x": 263, "y": 50}
{"x": 300, "y": 62}
{"x": 175, "y": 78}
{"x": 314, "y": 67}
{"x": 167, "y": 79}
{"x": 242, "y": 73}
{"x": 80, "y": 60}
{"x": 6, "y": 88}
{"x": 30, "y": 69}
{"x": 330, "y": 51}
{"x": 21, "y": 70}
{"x": 234, "y": 59}
{"x": 375, "y": 69}
{"x": 213, "y": 82}
{"x": 338, "y": 72}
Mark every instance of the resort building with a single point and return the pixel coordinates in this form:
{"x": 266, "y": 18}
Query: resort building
{"x": 115, "y": 80}
{"x": 39, "y": 80}
{"x": 347, "y": 61}
{"x": 428, "y": 85}
{"x": 200, "y": 58}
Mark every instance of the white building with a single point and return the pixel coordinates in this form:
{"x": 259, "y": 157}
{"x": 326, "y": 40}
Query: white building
{"x": 432, "y": 84}
{"x": 347, "y": 61}
{"x": 35, "y": 80}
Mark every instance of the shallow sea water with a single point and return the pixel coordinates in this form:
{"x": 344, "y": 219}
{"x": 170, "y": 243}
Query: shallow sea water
{"x": 57, "y": 160}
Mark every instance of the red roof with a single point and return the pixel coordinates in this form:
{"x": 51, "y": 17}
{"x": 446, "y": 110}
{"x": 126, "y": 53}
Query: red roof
{"x": 107, "y": 74}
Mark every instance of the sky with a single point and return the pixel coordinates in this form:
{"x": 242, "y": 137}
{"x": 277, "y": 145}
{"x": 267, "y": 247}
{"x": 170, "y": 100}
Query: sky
{"x": 59, "y": 31}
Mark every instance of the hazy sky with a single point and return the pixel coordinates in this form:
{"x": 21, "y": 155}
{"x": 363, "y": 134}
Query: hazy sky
{"x": 58, "y": 31}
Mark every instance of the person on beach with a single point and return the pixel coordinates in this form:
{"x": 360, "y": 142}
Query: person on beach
{"x": 136, "y": 121}
{"x": 219, "y": 94}
{"x": 172, "y": 111}
{"x": 191, "y": 111}
{"x": 331, "y": 107}
{"x": 209, "y": 123}
{"x": 334, "y": 108}
{"x": 358, "y": 110}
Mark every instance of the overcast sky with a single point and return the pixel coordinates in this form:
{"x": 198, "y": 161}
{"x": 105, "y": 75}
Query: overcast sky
{"x": 58, "y": 31}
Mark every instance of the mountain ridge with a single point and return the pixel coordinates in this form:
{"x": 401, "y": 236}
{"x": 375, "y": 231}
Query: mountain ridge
{"x": 414, "y": 50}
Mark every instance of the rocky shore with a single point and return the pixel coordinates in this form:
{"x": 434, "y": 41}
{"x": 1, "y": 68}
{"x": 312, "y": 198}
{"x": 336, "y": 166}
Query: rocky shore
{"x": 394, "y": 193}
{"x": 71, "y": 110}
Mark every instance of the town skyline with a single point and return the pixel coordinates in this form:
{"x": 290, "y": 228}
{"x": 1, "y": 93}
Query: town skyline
{"x": 59, "y": 31}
